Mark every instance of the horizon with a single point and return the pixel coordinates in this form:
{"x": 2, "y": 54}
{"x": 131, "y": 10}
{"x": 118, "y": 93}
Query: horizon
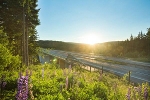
{"x": 81, "y": 43}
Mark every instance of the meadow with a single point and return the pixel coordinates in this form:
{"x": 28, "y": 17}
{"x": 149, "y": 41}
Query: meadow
{"x": 49, "y": 82}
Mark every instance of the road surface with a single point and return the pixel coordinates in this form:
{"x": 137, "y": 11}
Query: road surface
{"x": 140, "y": 71}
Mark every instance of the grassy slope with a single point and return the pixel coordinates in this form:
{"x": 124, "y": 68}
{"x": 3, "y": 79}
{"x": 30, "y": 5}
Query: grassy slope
{"x": 82, "y": 85}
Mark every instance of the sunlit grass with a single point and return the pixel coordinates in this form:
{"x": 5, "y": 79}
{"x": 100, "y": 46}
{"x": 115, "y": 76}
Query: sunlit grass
{"x": 49, "y": 83}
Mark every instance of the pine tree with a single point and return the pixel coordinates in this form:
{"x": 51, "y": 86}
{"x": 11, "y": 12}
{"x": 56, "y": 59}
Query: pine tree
{"x": 16, "y": 15}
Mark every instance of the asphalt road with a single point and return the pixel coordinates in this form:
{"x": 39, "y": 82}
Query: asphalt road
{"x": 140, "y": 71}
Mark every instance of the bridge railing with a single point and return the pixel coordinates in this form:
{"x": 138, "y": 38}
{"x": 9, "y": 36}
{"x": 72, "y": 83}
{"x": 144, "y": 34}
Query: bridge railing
{"x": 68, "y": 57}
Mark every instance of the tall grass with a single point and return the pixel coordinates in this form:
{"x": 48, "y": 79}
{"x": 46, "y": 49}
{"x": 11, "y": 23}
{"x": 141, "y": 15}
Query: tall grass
{"x": 48, "y": 82}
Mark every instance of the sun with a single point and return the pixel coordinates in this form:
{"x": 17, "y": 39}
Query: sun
{"x": 90, "y": 39}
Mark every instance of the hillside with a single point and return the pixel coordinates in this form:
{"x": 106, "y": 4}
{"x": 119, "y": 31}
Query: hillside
{"x": 49, "y": 82}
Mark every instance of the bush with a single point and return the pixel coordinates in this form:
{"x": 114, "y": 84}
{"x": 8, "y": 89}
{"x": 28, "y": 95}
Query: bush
{"x": 7, "y": 60}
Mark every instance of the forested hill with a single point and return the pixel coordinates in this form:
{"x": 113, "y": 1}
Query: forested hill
{"x": 134, "y": 47}
{"x": 66, "y": 46}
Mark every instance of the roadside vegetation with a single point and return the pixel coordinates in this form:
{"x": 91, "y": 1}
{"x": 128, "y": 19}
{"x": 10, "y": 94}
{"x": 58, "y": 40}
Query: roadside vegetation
{"x": 49, "y": 82}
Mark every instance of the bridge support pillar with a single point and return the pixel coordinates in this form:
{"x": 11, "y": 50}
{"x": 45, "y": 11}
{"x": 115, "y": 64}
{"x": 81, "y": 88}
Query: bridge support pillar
{"x": 62, "y": 63}
{"x": 90, "y": 68}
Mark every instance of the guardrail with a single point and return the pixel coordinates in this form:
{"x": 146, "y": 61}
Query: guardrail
{"x": 115, "y": 69}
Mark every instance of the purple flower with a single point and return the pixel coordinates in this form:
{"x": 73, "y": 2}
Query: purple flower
{"x": 4, "y": 84}
{"x": 22, "y": 93}
{"x": 128, "y": 94}
{"x": 145, "y": 93}
{"x": 140, "y": 89}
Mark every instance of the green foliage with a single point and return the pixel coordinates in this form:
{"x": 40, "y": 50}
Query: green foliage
{"x": 12, "y": 25}
{"x": 101, "y": 90}
{"x": 49, "y": 83}
{"x": 7, "y": 60}
{"x": 3, "y": 37}
{"x": 4, "y": 57}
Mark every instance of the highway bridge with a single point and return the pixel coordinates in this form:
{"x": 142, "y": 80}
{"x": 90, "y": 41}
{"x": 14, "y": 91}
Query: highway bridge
{"x": 140, "y": 71}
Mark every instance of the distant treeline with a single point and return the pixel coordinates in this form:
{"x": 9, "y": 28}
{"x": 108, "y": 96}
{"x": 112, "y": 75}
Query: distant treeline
{"x": 66, "y": 46}
{"x": 138, "y": 46}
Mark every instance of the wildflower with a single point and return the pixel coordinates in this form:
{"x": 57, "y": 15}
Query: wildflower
{"x": 42, "y": 72}
{"x": 115, "y": 87}
{"x": 4, "y": 84}
{"x": 30, "y": 87}
{"x": 31, "y": 94}
{"x": 139, "y": 90}
{"x": 128, "y": 94}
{"x": 66, "y": 82}
{"x": 30, "y": 91}
{"x": 145, "y": 93}
{"x": 134, "y": 93}
{"x": 136, "y": 89}
{"x": 22, "y": 93}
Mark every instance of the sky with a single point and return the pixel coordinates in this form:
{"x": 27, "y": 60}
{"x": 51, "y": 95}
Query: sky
{"x": 92, "y": 21}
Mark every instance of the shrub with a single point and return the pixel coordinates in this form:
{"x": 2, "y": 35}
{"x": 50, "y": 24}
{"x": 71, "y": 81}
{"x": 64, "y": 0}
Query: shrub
{"x": 7, "y": 60}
